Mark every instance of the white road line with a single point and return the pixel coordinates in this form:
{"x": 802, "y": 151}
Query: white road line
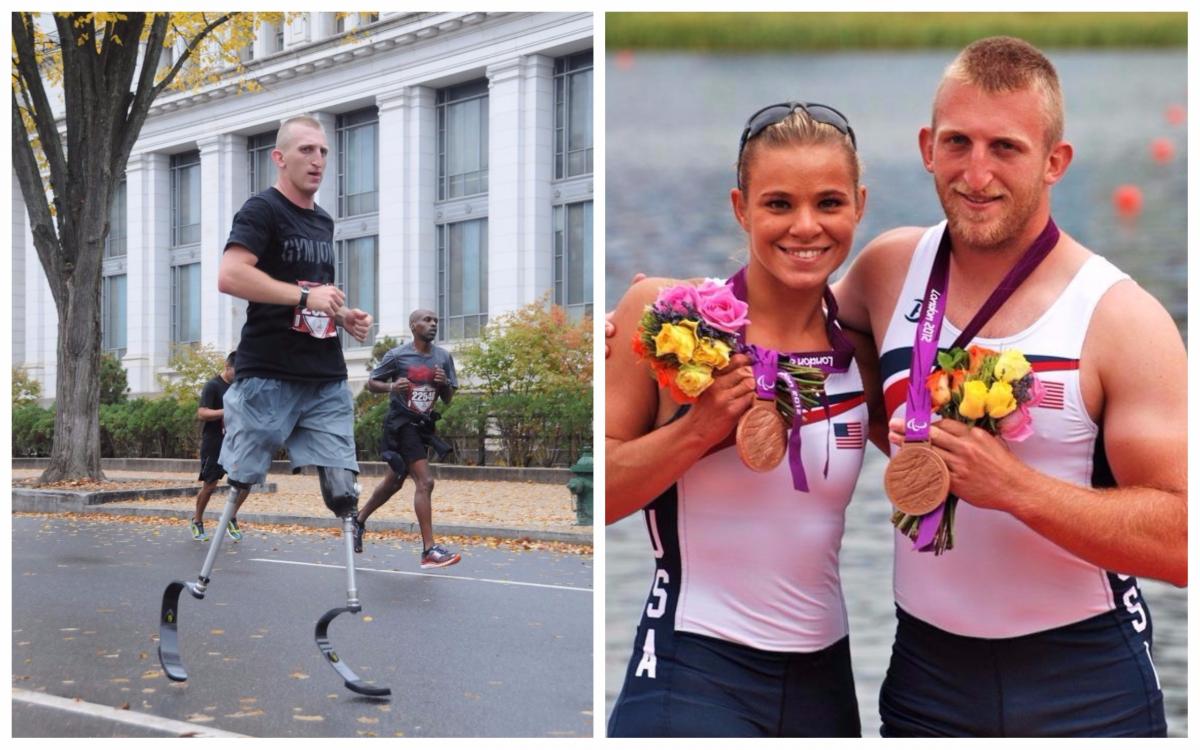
{"x": 122, "y": 716}
{"x": 425, "y": 575}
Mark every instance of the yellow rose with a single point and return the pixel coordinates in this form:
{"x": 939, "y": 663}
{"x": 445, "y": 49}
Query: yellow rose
{"x": 974, "y": 398}
{"x": 693, "y": 379}
{"x": 1011, "y": 366}
{"x": 1000, "y": 401}
{"x": 711, "y": 352}
{"x": 679, "y": 340}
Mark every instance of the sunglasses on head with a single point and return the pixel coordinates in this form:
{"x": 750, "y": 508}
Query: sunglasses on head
{"x": 769, "y": 115}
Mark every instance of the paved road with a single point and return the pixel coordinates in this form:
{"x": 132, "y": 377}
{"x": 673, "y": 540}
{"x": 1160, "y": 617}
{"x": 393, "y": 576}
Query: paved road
{"x": 499, "y": 645}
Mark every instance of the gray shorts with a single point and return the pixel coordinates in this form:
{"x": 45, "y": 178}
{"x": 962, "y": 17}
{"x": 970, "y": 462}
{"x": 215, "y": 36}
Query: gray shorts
{"x": 314, "y": 421}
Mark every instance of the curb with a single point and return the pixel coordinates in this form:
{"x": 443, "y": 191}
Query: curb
{"x": 539, "y": 535}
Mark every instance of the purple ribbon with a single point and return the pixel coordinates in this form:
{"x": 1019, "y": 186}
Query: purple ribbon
{"x": 766, "y": 372}
{"x": 918, "y": 408}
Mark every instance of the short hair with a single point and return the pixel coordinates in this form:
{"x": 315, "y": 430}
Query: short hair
{"x": 230, "y": 358}
{"x": 415, "y": 315}
{"x": 284, "y": 136}
{"x": 1002, "y": 64}
{"x": 798, "y": 129}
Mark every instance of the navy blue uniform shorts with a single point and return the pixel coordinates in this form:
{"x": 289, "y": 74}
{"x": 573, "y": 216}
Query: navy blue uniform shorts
{"x": 707, "y": 687}
{"x": 1093, "y": 678}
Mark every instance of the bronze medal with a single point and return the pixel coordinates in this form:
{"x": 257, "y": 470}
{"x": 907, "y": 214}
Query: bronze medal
{"x": 917, "y": 479}
{"x": 761, "y": 436}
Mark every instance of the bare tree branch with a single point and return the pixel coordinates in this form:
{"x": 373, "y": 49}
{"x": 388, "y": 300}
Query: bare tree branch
{"x": 41, "y": 112}
{"x": 41, "y": 222}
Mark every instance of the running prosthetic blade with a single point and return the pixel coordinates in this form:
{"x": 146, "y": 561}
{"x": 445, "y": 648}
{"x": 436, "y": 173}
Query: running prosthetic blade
{"x": 352, "y": 680}
{"x": 168, "y": 631}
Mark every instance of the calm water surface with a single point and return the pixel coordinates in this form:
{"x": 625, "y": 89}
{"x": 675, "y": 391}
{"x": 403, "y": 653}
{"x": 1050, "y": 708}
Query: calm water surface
{"x": 672, "y": 126}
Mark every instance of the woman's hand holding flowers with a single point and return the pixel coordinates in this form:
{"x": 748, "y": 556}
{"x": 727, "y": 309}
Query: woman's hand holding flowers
{"x": 717, "y": 410}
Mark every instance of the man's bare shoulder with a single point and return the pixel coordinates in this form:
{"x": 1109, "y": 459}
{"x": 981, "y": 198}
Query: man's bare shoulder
{"x": 891, "y": 246}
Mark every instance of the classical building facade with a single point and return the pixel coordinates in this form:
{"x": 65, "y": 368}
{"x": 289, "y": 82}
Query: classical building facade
{"x": 459, "y": 178}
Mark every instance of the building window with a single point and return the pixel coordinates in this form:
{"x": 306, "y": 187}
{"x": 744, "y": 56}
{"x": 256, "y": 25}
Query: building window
{"x": 185, "y": 199}
{"x": 279, "y": 37}
{"x": 262, "y": 169}
{"x": 462, "y": 279}
{"x": 573, "y": 115}
{"x": 339, "y": 23}
{"x": 185, "y": 303}
{"x": 118, "y": 224}
{"x": 112, "y": 314}
{"x": 358, "y": 277}
{"x": 367, "y": 18}
{"x": 573, "y": 258}
{"x": 462, "y": 114}
{"x": 358, "y": 172}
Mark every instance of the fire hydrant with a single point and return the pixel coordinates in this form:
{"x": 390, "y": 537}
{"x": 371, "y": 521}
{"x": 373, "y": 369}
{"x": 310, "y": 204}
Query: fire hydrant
{"x": 580, "y": 487}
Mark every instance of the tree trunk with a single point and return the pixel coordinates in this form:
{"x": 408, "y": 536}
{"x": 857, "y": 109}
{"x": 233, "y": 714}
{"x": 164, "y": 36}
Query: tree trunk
{"x": 76, "y": 450}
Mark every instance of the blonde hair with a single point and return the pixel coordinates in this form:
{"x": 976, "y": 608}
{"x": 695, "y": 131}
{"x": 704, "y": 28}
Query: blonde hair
{"x": 1002, "y": 64}
{"x": 798, "y": 129}
{"x": 284, "y": 136}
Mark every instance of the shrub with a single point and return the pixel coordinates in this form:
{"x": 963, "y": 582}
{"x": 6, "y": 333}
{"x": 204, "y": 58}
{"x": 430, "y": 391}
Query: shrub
{"x": 464, "y": 425}
{"x": 32, "y": 430}
{"x": 534, "y": 367}
{"x": 148, "y": 428}
{"x": 114, "y": 382}
{"x": 25, "y": 390}
{"x": 194, "y": 365}
{"x": 368, "y": 430}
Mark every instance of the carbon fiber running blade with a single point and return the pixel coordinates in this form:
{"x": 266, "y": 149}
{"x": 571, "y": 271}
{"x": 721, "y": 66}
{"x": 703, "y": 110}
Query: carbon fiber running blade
{"x": 352, "y": 681}
{"x": 168, "y": 633}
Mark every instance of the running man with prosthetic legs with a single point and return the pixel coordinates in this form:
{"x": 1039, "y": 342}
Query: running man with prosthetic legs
{"x": 290, "y": 386}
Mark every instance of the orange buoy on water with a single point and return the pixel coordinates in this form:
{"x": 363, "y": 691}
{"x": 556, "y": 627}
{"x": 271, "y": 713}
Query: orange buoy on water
{"x": 625, "y": 59}
{"x": 1127, "y": 200}
{"x": 1162, "y": 150}
{"x": 1176, "y": 114}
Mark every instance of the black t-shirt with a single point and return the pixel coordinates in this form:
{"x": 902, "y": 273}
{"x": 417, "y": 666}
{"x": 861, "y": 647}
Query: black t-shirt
{"x": 213, "y": 397}
{"x": 295, "y": 245}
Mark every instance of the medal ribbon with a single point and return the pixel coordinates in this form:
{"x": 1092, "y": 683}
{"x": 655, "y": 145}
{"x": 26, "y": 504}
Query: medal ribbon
{"x": 918, "y": 408}
{"x": 766, "y": 372}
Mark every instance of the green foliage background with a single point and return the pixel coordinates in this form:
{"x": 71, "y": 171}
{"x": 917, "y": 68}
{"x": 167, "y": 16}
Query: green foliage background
{"x": 806, "y": 32}
{"x": 525, "y": 399}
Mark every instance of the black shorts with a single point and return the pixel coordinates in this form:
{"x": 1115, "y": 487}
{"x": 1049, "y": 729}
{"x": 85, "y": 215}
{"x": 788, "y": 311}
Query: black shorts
{"x": 707, "y": 687}
{"x": 402, "y": 444}
{"x": 1092, "y": 678}
{"x": 210, "y": 468}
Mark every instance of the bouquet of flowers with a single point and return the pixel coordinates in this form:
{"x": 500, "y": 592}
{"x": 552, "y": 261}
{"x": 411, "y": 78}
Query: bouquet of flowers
{"x": 983, "y": 388}
{"x": 689, "y": 332}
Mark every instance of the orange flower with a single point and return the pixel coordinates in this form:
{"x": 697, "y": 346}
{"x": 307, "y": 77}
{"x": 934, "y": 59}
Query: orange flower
{"x": 939, "y": 388}
{"x": 977, "y": 355}
{"x": 957, "y": 378}
{"x": 678, "y": 395}
{"x": 639, "y": 347}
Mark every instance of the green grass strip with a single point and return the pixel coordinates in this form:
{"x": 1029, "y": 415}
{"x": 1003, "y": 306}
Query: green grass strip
{"x": 802, "y": 32}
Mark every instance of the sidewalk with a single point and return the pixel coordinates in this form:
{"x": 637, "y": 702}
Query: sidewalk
{"x": 512, "y": 510}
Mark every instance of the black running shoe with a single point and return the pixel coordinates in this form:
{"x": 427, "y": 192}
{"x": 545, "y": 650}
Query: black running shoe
{"x": 359, "y": 528}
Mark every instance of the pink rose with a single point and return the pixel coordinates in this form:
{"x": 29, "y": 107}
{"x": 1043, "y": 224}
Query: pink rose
{"x": 1016, "y": 426}
{"x": 720, "y": 309}
{"x": 1037, "y": 391}
{"x": 680, "y": 299}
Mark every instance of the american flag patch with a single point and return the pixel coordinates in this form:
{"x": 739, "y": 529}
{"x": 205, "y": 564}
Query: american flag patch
{"x": 849, "y": 435}
{"x": 1055, "y": 395}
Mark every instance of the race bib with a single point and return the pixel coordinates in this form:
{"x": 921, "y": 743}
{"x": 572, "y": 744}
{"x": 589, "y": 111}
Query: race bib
{"x": 422, "y": 398}
{"x": 313, "y": 322}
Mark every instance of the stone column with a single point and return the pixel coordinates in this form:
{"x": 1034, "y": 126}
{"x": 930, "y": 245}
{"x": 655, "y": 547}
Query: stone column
{"x": 224, "y": 186}
{"x": 407, "y": 187}
{"x": 148, "y": 286}
{"x": 520, "y": 168}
